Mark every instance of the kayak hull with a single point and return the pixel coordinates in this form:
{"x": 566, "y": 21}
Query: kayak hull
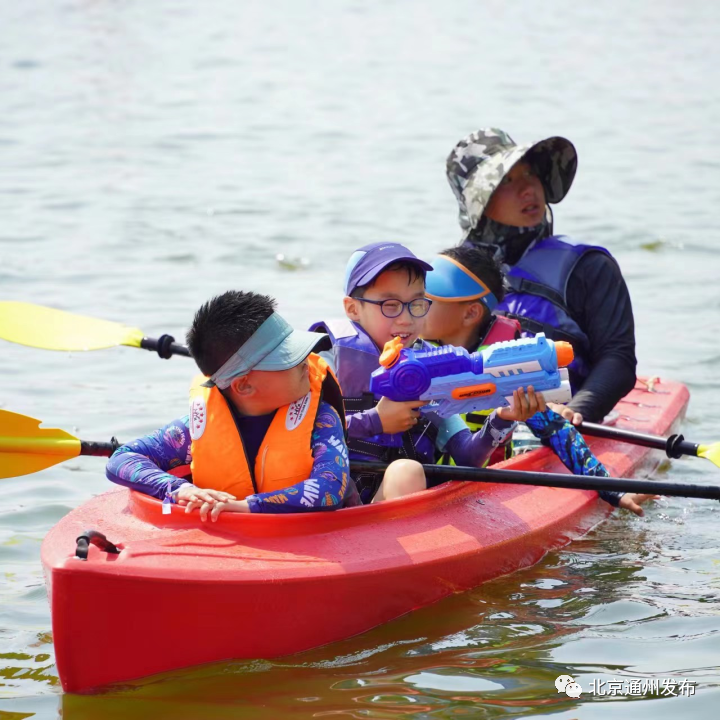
{"x": 181, "y": 592}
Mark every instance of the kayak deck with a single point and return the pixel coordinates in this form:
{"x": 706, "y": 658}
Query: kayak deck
{"x": 261, "y": 586}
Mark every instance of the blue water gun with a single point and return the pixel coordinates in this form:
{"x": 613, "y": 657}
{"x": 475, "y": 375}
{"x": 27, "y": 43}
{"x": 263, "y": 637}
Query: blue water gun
{"x": 456, "y": 381}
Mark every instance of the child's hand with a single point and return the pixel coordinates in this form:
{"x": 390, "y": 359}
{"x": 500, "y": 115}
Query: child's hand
{"x": 204, "y": 498}
{"x": 212, "y": 511}
{"x": 192, "y": 494}
{"x": 399, "y": 416}
{"x": 523, "y": 406}
{"x": 568, "y": 413}
{"x": 240, "y": 506}
{"x": 632, "y": 502}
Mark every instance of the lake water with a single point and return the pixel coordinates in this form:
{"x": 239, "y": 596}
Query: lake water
{"x": 154, "y": 154}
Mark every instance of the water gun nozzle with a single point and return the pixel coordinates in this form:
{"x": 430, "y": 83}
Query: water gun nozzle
{"x": 565, "y": 354}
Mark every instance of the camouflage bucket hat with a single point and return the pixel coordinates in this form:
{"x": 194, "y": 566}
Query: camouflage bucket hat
{"x": 479, "y": 162}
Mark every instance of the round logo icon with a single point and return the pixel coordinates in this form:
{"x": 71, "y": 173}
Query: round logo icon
{"x": 567, "y": 684}
{"x": 198, "y": 417}
{"x": 296, "y": 412}
{"x": 573, "y": 690}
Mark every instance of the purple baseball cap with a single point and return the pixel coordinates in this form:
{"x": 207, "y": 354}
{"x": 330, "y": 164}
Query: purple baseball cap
{"x": 369, "y": 261}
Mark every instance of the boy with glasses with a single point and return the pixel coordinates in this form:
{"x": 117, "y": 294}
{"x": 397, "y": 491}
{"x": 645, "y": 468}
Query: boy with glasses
{"x": 385, "y": 299}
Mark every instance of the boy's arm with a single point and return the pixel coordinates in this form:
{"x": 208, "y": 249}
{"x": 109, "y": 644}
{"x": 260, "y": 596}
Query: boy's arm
{"x": 329, "y": 485}
{"x": 143, "y": 463}
{"x": 473, "y": 449}
{"x": 569, "y": 445}
{"x": 364, "y": 424}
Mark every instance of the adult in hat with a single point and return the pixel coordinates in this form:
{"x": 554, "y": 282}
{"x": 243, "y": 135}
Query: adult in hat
{"x": 555, "y": 284}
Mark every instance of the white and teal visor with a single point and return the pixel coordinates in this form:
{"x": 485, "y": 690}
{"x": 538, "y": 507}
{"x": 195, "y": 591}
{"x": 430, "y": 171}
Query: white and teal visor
{"x": 273, "y": 347}
{"x": 449, "y": 281}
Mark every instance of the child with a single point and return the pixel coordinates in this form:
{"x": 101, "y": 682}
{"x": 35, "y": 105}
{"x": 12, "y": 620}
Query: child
{"x": 385, "y": 299}
{"x": 465, "y": 285}
{"x": 266, "y": 427}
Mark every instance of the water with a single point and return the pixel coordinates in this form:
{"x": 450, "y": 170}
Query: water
{"x": 156, "y": 153}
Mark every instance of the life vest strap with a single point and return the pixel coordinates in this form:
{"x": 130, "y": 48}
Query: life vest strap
{"x": 408, "y": 446}
{"x": 388, "y": 454}
{"x": 523, "y": 285}
{"x": 365, "y": 402}
{"x": 476, "y": 418}
{"x": 380, "y": 452}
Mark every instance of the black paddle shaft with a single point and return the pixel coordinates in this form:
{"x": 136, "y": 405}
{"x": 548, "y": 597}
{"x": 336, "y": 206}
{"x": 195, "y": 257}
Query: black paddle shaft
{"x": 437, "y": 474}
{"x": 674, "y": 446}
{"x": 98, "y": 449}
{"x": 165, "y": 346}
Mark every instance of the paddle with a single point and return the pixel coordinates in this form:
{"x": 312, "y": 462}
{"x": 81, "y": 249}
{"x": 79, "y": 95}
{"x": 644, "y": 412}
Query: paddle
{"x": 675, "y": 446}
{"x": 443, "y": 473}
{"x": 50, "y": 329}
{"x": 26, "y": 448}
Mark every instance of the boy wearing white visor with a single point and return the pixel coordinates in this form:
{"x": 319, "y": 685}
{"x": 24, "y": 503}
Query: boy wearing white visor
{"x": 266, "y": 426}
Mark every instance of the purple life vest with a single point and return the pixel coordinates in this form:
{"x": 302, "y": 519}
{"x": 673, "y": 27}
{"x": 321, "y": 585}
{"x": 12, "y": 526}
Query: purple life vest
{"x": 537, "y": 297}
{"x": 356, "y": 356}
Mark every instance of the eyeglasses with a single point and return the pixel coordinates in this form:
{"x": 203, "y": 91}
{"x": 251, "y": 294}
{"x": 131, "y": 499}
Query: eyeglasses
{"x": 394, "y": 308}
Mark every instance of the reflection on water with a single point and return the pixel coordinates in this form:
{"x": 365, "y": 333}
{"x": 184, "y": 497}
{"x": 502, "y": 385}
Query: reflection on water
{"x": 156, "y": 153}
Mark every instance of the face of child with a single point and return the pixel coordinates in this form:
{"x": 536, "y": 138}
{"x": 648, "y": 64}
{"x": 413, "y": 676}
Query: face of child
{"x": 455, "y": 323}
{"x": 272, "y": 390}
{"x": 445, "y": 319}
{"x": 389, "y": 285}
{"x": 519, "y": 200}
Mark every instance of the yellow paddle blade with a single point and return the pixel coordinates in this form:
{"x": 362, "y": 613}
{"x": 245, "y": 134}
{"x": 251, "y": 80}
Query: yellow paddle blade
{"x": 26, "y": 448}
{"x": 710, "y": 452}
{"x": 50, "y": 329}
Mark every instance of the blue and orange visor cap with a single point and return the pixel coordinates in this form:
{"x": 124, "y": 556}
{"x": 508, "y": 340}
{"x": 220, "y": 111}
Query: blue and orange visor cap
{"x": 449, "y": 281}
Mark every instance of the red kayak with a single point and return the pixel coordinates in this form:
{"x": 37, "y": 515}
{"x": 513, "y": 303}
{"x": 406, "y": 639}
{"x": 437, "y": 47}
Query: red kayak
{"x": 261, "y": 586}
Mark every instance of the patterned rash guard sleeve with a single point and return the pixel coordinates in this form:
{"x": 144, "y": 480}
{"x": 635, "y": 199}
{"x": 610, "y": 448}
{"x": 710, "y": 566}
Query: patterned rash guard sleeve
{"x": 570, "y": 446}
{"x": 143, "y": 463}
{"x": 329, "y": 486}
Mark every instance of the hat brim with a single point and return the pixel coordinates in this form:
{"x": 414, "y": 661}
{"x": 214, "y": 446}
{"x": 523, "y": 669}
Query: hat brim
{"x": 374, "y": 271}
{"x": 291, "y": 351}
{"x": 555, "y": 160}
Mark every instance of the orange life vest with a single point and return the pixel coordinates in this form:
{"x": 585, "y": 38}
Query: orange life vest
{"x": 285, "y": 455}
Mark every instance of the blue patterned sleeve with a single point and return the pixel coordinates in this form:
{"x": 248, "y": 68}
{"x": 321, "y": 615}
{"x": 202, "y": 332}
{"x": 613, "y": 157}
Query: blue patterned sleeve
{"x": 570, "y": 446}
{"x": 329, "y": 486}
{"x": 143, "y": 463}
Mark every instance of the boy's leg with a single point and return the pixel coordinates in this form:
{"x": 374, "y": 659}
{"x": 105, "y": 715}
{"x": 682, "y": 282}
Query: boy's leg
{"x": 402, "y": 477}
